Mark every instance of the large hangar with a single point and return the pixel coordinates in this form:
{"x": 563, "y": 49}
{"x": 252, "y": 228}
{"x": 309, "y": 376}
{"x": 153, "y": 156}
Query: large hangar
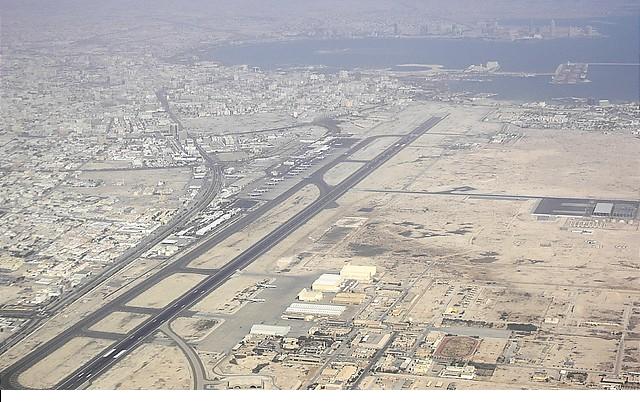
{"x": 579, "y": 207}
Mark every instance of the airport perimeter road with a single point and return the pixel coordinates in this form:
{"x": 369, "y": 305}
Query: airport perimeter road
{"x": 101, "y": 363}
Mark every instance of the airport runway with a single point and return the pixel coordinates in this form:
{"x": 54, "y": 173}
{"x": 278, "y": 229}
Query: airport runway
{"x": 213, "y": 186}
{"x": 101, "y": 363}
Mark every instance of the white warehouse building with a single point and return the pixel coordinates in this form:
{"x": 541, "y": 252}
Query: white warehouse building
{"x": 360, "y": 273}
{"x": 315, "y": 309}
{"x": 269, "y": 330}
{"x": 327, "y": 283}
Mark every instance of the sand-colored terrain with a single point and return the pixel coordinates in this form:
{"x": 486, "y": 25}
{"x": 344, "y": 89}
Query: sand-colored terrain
{"x": 489, "y": 350}
{"x": 543, "y": 163}
{"x": 497, "y": 263}
{"x": 119, "y": 322}
{"x": 62, "y": 362}
{"x": 582, "y": 353}
{"x": 341, "y": 171}
{"x": 193, "y": 328}
{"x": 631, "y": 356}
{"x": 469, "y": 262}
{"x": 288, "y": 376}
{"x": 225, "y": 299}
{"x": 374, "y": 148}
{"x": 150, "y": 366}
{"x": 167, "y": 290}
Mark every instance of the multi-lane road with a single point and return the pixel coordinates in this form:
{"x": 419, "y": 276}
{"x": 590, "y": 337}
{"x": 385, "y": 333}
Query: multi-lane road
{"x": 212, "y": 185}
{"x": 107, "y": 358}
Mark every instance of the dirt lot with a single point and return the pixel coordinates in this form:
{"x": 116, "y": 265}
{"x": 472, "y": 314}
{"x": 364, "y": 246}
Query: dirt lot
{"x": 489, "y": 350}
{"x": 194, "y": 329}
{"x": 340, "y": 172}
{"x": 119, "y": 322}
{"x": 150, "y": 366}
{"x": 166, "y": 290}
{"x": 282, "y": 376}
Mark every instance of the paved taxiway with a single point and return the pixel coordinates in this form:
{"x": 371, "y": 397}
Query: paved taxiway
{"x": 105, "y": 360}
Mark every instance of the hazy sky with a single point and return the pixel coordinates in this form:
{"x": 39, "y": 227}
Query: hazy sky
{"x": 450, "y": 8}
{"x": 39, "y": 21}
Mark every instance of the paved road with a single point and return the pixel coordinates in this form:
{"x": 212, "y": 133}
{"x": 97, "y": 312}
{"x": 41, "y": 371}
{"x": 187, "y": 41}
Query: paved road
{"x": 213, "y": 185}
{"x": 620, "y": 353}
{"x": 363, "y": 374}
{"x": 103, "y": 362}
{"x": 198, "y": 371}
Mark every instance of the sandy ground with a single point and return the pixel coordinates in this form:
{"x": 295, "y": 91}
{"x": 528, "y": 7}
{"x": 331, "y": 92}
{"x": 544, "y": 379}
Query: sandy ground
{"x": 282, "y": 376}
{"x": 389, "y": 382}
{"x": 544, "y": 163}
{"x": 504, "y": 378}
{"x": 150, "y": 366}
{"x": 109, "y": 164}
{"x": 193, "y": 329}
{"x": 631, "y": 357}
{"x": 166, "y": 290}
{"x": 221, "y": 300}
{"x": 340, "y": 172}
{"x": 463, "y": 120}
{"x": 139, "y": 195}
{"x": 64, "y": 361}
{"x": 502, "y": 263}
{"x": 582, "y": 353}
{"x": 126, "y": 184}
{"x": 374, "y": 148}
{"x": 119, "y": 322}
{"x": 489, "y": 350}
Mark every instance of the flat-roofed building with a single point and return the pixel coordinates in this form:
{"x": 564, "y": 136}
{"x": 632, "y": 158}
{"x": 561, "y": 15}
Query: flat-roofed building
{"x": 603, "y": 209}
{"x": 371, "y": 339}
{"x": 348, "y": 298}
{"x": 309, "y": 295}
{"x": 360, "y": 273}
{"x": 327, "y": 283}
{"x": 269, "y": 330}
{"x": 465, "y": 373}
{"x": 315, "y": 309}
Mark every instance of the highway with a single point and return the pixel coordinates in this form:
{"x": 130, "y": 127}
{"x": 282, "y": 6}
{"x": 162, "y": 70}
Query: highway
{"x": 214, "y": 182}
{"x": 105, "y": 360}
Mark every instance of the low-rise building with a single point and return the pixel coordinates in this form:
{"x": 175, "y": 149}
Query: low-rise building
{"x": 360, "y": 273}
{"x": 349, "y": 298}
{"x": 309, "y": 295}
{"x": 327, "y": 283}
{"x": 269, "y": 330}
{"x": 464, "y": 373}
{"x": 315, "y": 309}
